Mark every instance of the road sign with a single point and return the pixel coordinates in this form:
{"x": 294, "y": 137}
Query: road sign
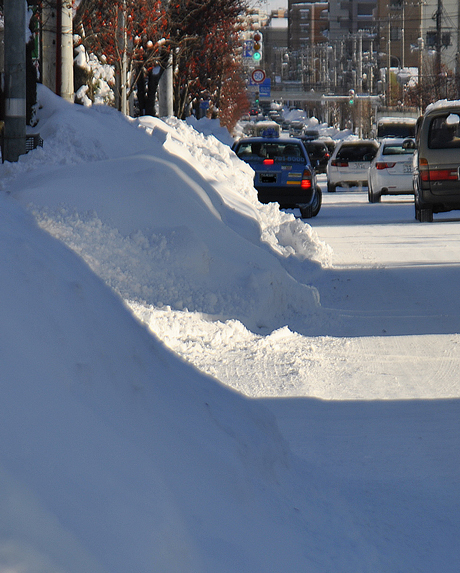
{"x": 248, "y": 48}
{"x": 258, "y": 76}
{"x": 265, "y": 88}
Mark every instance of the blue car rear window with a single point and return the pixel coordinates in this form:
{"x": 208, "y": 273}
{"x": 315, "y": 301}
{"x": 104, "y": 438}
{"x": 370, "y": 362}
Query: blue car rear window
{"x": 280, "y": 152}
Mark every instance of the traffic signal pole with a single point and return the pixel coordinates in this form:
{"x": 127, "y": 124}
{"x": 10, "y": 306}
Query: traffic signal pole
{"x": 14, "y": 132}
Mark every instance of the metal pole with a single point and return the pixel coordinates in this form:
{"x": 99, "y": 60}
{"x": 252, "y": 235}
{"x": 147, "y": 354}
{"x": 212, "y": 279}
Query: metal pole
{"x": 360, "y": 62}
{"x": 403, "y": 43}
{"x": 421, "y": 47}
{"x": 121, "y": 95}
{"x": 370, "y": 81}
{"x": 14, "y": 135}
{"x": 58, "y": 47}
{"x": 67, "y": 84}
{"x": 49, "y": 39}
{"x": 165, "y": 91}
{"x": 388, "y": 63}
{"x": 438, "y": 48}
{"x": 124, "y": 65}
{"x": 457, "y": 56}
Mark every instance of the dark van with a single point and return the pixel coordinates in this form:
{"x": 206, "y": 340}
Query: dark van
{"x": 436, "y": 172}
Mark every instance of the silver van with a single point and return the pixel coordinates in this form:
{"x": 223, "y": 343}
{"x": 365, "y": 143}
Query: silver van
{"x": 436, "y": 174}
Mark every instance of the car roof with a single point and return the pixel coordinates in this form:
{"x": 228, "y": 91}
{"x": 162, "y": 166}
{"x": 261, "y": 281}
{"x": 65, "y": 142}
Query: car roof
{"x": 314, "y": 141}
{"x": 441, "y": 105}
{"x": 352, "y": 142}
{"x": 384, "y": 120}
{"x": 261, "y": 139}
{"x": 394, "y": 140}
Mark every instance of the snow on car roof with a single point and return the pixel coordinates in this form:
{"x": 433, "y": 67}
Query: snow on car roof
{"x": 442, "y": 103}
{"x": 384, "y": 120}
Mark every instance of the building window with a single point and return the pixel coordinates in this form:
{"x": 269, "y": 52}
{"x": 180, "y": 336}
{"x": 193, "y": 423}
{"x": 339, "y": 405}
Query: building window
{"x": 395, "y": 33}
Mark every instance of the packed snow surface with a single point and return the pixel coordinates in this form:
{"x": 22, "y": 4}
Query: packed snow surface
{"x": 194, "y": 382}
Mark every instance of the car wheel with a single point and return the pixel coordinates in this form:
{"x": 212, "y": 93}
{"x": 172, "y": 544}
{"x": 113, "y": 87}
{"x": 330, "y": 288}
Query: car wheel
{"x": 371, "y": 195}
{"x": 422, "y": 213}
{"x": 316, "y": 206}
{"x": 426, "y": 216}
{"x": 331, "y": 187}
{"x": 306, "y": 212}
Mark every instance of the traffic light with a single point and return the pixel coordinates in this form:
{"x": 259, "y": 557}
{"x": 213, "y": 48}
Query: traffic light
{"x": 257, "y": 99}
{"x": 351, "y": 97}
{"x": 257, "y": 47}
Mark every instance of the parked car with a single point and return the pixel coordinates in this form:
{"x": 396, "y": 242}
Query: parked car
{"x": 318, "y": 153}
{"x": 296, "y": 128}
{"x": 350, "y": 162}
{"x": 331, "y": 143}
{"x": 283, "y": 172}
{"x": 285, "y": 124}
{"x": 396, "y": 127}
{"x": 310, "y": 134}
{"x": 265, "y": 128}
{"x": 436, "y": 176}
{"x": 390, "y": 172}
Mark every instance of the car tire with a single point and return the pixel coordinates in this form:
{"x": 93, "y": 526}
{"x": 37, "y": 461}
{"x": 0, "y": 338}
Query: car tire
{"x": 331, "y": 187}
{"x": 306, "y": 212}
{"x": 371, "y": 195}
{"x": 316, "y": 206}
{"x": 425, "y": 215}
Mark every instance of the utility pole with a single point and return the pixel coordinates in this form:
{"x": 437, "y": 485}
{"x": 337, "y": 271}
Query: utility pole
{"x": 360, "y": 62}
{"x": 165, "y": 91}
{"x": 57, "y": 46}
{"x": 403, "y": 43}
{"x": 388, "y": 63}
{"x": 457, "y": 56}
{"x": 14, "y": 134}
{"x": 438, "y": 46}
{"x": 421, "y": 47}
{"x": 67, "y": 83}
{"x": 122, "y": 76}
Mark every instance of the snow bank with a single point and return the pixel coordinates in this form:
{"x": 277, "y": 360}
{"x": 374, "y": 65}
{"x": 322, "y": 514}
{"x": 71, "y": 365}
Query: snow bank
{"x": 180, "y": 209}
{"x": 116, "y": 455}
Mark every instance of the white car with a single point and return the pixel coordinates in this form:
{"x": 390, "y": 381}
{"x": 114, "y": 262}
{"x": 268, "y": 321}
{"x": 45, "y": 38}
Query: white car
{"x": 349, "y": 164}
{"x": 390, "y": 173}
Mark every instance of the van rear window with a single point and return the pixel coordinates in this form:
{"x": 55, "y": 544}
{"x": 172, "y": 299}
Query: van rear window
{"x": 443, "y": 134}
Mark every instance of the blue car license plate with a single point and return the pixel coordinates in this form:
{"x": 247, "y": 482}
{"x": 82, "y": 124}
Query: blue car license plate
{"x": 267, "y": 177}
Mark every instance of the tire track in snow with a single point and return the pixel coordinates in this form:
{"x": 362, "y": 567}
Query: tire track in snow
{"x": 288, "y": 364}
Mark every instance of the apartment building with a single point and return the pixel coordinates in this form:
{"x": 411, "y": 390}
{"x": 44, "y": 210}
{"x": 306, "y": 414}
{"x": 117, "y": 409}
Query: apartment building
{"x": 308, "y": 24}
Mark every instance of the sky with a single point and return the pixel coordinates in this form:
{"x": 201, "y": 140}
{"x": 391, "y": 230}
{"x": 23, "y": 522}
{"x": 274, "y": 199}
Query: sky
{"x": 275, "y": 4}
{"x": 270, "y": 5}
{"x": 178, "y": 389}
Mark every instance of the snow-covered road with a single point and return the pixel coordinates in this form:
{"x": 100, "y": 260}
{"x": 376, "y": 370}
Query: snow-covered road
{"x": 370, "y": 400}
{"x": 393, "y": 321}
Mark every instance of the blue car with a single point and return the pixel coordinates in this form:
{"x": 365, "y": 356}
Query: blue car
{"x": 283, "y": 172}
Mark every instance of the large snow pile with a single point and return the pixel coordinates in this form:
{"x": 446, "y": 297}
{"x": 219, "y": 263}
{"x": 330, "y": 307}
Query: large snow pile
{"x": 181, "y": 208}
{"x": 115, "y": 455}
